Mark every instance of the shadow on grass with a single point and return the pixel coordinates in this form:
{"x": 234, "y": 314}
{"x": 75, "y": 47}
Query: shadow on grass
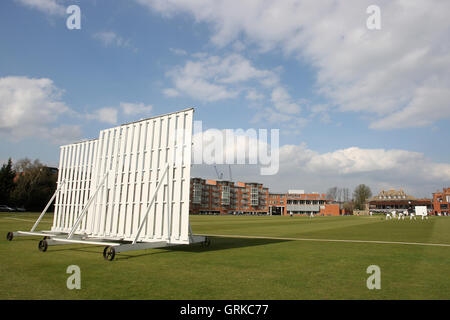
{"x": 217, "y": 243}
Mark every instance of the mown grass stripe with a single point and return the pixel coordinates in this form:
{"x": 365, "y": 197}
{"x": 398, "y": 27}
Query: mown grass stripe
{"x": 328, "y": 240}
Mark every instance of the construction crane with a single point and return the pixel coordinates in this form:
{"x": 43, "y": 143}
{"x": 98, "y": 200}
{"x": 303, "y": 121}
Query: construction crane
{"x": 219, "y": 175}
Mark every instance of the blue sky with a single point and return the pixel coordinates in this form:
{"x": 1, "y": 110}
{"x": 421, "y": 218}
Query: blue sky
{"x": 312, "y": 70}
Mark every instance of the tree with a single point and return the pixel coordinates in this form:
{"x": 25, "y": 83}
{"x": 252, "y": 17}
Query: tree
{"x": 360, "y": 195}
{"x": 338, "y": 194}
{"x": 34, "y": 186}
{"x": 348, "y": 207}
{"x": 7, "y": 175}
{"x": 346, "y": 194}
{"x": 332, "y": 193}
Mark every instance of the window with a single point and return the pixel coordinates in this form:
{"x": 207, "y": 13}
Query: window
{"x": 197, "y": 193}
{"x": 254, "y": 196}
{"x": 225, "y": 195}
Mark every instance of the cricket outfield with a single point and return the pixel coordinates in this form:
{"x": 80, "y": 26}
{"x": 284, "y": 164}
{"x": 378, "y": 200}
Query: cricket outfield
{"x": 250, "y": 257}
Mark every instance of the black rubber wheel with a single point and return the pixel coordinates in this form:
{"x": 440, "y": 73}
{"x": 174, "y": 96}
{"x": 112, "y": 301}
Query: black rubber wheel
{"x": 9, "y": 236}
{"x": 109, "y": 253}
{"x": 207, "y": 242}
{"x": 43, "y": 245}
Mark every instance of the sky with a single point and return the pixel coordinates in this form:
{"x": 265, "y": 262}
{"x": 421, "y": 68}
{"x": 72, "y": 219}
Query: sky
{"x": 353, "y": 104}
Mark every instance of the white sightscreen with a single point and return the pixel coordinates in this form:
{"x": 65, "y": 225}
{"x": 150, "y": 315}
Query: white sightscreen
{"x": 134, "y": 158}
{"x": 421, "y": 210}
{"x": 75, "y": 179}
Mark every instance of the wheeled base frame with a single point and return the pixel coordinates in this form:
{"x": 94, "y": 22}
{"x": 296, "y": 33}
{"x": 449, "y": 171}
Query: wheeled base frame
{"x": 112, "y": 246}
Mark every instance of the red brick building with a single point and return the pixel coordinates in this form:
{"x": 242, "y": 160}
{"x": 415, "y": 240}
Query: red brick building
{"x": 396, "y": 199}
{"x": 301, "y": 203}
{"x": 226, "y": 197}
{"x": 441, "y": 202}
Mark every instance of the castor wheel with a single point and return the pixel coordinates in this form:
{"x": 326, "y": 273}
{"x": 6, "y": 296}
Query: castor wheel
{"x": 206, "y": 243}
{"x": 9, "y": 236}
{"x": 109, "y": 253}
{"x": 43, "y": 245}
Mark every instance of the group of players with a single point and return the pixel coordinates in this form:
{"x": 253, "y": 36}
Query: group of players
{"x": 401, "y": 214}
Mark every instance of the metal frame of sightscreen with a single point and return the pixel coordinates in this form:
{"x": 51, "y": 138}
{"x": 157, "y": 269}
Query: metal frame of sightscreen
{"x": 127, "y": 190}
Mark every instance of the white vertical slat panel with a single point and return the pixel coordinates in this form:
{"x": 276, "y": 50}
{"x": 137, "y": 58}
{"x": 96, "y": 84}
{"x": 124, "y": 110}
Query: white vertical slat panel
{"x": 80, "y": 200}
{"x": 63, "y": 198}
{"x": 93, "y": 183}
{"x": 186, "y": 176}
{"x": 113, "y": 182}
{"x": 100, "y": 205}
{"x": 120, "y": 180}
{"x": 160, "y": 208}
{"x": 73, "y": 185}
{"x": 88, "y": 170}
{"x": 77, "y": 178}
{"x": 136, "y": 156}
{"x": 178, "y": 161}
{"x": 109, "y": 139}
{"x": 146, "y": 177}
{"x": 58, "y": 195}
{"x": 109, "y": 183}
{"x": 69, "y": 207}
{"x": 124, "y": 216}
{"x": 99, "y": 174}
{"x": 170, "y": 157}
{"x": 132, "y": 179}
{"x": 123, "y": 190}
{"x": 139, "y": 174}
{"x": 150, "y": 226}
{"x": 63, "y": 205}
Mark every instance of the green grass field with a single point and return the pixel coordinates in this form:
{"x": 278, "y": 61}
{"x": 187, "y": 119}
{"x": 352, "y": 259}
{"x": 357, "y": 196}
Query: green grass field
{"x": 240, "y": 268}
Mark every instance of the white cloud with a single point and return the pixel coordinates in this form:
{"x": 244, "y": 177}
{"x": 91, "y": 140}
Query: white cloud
{"x": 287, "y": 122}
{"x": 322, "y": 111}
{"x": 378, "y": 167}
{"x": 398, "y": 75}
{"x": 132, "y": 109}
{"x": 283, "y": 101}
{"x": 213, "y": 78}
{"x": 171, "y": 92}
{"x": 305, "y": 168}
{"x": 238, "y": 46}
{"x": 110, "y": 115}
{"x": 30, "y": 107}
{"x": 105, "y": 115}
{"x": 51, "y": 7}
{"x": 219, "y": 146}
{"x": 112, "y": 39}
{"x": 253, "y": 95}
{"x": 65, "y": 134}
{"x": 178, "y": 52}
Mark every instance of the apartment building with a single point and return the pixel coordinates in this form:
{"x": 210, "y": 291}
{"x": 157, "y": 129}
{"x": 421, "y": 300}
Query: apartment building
{"x": 226, "y": 197}
{"x": 441, "y": 201}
